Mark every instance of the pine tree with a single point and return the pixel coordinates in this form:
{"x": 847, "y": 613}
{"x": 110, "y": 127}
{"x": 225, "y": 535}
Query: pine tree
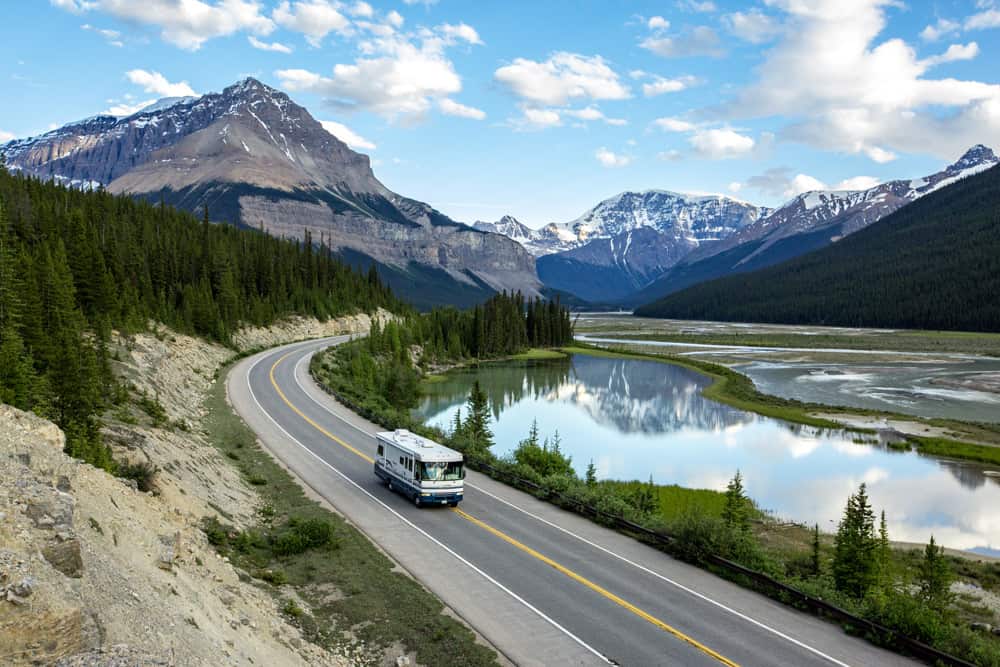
{"x": 591, "y": 474}
{"x": 855, "y": 564}
{"x": 477, "y": 424}
{"x": 815, "y": 555}
{"x": 884, "y": 554}
{"x": 935, "y": 578}
{"x": 736, "y": 510}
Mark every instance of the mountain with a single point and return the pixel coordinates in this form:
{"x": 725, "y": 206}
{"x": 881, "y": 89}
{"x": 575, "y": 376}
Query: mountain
{"x": 549, "y": 239}
{"x": 810, "y": 221}
{"x": 934, "y": 264}
{"x": 257, "y": 159}
{"x": 629, "y": 240}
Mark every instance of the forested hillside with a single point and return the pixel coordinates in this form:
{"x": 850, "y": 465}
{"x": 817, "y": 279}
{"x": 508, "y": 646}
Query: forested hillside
{"x": 75, "y": 265}
{"x": 934, "y": 264}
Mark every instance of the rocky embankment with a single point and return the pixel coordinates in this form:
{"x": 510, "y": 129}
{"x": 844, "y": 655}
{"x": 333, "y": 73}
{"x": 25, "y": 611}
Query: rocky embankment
{"x": 94, "y": 571}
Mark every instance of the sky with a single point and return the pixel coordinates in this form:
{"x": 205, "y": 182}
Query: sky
{"x": 542, "y": 109}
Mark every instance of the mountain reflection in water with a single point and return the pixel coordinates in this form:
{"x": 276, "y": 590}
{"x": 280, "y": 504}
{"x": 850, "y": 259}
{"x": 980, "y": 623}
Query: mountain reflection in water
{"x": 635, "y": 419}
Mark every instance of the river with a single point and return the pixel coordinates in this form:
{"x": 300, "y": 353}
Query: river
{"x": 636, "y": 418}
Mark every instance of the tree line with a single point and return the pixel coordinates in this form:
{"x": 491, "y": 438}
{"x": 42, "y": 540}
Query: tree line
{"x": 383, "y": 372}
{"x": 76, "y": 265}
{"x": 933, "y": 264}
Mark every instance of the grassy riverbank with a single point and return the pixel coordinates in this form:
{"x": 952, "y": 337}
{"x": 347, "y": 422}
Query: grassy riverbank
{"x": 331, "y": 580}
{"x": 968, "y": 441}
{"x": 950, "y": 342}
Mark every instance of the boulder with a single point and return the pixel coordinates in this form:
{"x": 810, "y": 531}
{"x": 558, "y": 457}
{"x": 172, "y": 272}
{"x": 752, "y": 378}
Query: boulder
{"x": 65, "y": 557}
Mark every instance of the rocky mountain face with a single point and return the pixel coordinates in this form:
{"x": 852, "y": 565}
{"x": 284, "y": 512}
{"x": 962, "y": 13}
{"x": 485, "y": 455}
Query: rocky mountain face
{"x": 630, "y": 240}
{"x": 809, "y": 221}
{"x": 256, "y": 158}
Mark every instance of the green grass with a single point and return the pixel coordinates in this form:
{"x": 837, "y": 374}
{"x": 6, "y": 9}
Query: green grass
{"x": 377, "y": 605}
{"x": 538, "y": 354}
{"x": 676, "y": 501}
{"x": 958, "y": 450}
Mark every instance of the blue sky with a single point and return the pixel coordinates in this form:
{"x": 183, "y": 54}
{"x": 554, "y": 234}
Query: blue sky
{"x": 541, "y": 109}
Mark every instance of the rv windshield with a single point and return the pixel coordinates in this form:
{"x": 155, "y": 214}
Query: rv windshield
{"x": 442, "y": 471}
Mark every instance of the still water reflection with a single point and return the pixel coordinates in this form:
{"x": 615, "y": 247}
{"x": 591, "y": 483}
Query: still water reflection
{"x": 636, "y": 418}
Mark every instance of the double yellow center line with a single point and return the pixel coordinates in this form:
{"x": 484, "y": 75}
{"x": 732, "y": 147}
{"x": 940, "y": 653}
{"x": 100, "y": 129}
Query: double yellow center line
{"x": 513, "y": 542}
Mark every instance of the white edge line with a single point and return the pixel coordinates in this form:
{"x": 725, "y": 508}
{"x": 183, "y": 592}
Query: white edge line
{"x": 645, "y": 569}
{"x": 433, "y": 539}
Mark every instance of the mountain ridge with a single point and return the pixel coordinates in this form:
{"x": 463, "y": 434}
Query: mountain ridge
{"x": 252, "y": 155}
{"x": 807, "y": 222}
{"x": 932, "y": 264}
{"x": 605, "y": 262}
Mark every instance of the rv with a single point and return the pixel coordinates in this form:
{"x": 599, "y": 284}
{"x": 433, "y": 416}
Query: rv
{"x": 424, "y": 471}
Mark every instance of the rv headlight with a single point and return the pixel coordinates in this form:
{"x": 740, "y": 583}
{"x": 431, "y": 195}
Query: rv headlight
{"x": 425, "y": 494}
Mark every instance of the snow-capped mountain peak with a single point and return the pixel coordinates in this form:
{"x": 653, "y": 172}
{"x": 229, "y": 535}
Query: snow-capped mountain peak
{"x": 842, "y": 212}
{"x": 976, "y": 156}
{"x": 695, "y": 218}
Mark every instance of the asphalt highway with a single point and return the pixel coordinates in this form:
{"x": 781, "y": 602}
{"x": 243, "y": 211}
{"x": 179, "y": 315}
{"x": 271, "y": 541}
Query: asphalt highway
{"x": 544, "y": 586}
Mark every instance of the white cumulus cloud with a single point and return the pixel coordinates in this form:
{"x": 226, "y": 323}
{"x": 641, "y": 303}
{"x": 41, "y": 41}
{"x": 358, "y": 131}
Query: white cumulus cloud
{"x": 657, "y": 23}
{"x": 721, "y": 143}
{"x": 942, "y": 28}
{"x": 450, "y": 107}
{"x": 313, "y": 18}
{"x": 661, "y": 86}
{"x": 157, "y": 84}
{"x": 397, "y": 76}
{"x": 699, "y": 41}
{"x": 842, "y": 86}
{"x": 347, "y": 135}
{"x": 753, "y": 26}
{"x": 561, "y": 78}
{"x": 611, "y": 159}
{"x": 277, "y": 47}
{"x": 6, "y": 136}
{"x": 186, "y": 23}
{"x": 954, "y": 53}
{"x": 674, "y": 125}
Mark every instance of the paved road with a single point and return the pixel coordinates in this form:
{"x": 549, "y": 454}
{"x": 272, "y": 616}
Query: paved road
{"x": 546, "y": 587}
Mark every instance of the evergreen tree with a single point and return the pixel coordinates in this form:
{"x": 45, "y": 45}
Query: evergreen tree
{"x": 855, "y": 565}
{"x": 477, "y": 424}
{"x": 737, "y": 507}
{"x": 814, "y": 560}
{"x": 935, "y": 578}
{"x": 884, "y": 554}
{"x": 591, "y": 474}
{"x": 644, "y": 499}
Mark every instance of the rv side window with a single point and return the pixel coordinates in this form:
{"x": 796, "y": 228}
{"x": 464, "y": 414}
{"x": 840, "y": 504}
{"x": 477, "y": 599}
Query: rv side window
{"x": 381, "y": 450}
{"x": 402, "y": 461}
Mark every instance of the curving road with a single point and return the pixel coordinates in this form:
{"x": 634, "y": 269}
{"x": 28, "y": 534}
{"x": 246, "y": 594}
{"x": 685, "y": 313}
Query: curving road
{"x": 544, "y": 586}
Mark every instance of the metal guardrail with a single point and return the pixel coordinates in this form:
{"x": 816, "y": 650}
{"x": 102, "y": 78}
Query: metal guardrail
{"x": 763, "y": 583}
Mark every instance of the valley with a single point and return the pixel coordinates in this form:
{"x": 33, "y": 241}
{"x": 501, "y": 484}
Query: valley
{"x": 344, "y": 333}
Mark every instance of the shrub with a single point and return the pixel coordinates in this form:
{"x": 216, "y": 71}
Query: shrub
{"x": 273, "y": 577}
{"x": 215, "y": 532}
{"x": 300, "y": 536}
{"x": 144, "y": 473}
